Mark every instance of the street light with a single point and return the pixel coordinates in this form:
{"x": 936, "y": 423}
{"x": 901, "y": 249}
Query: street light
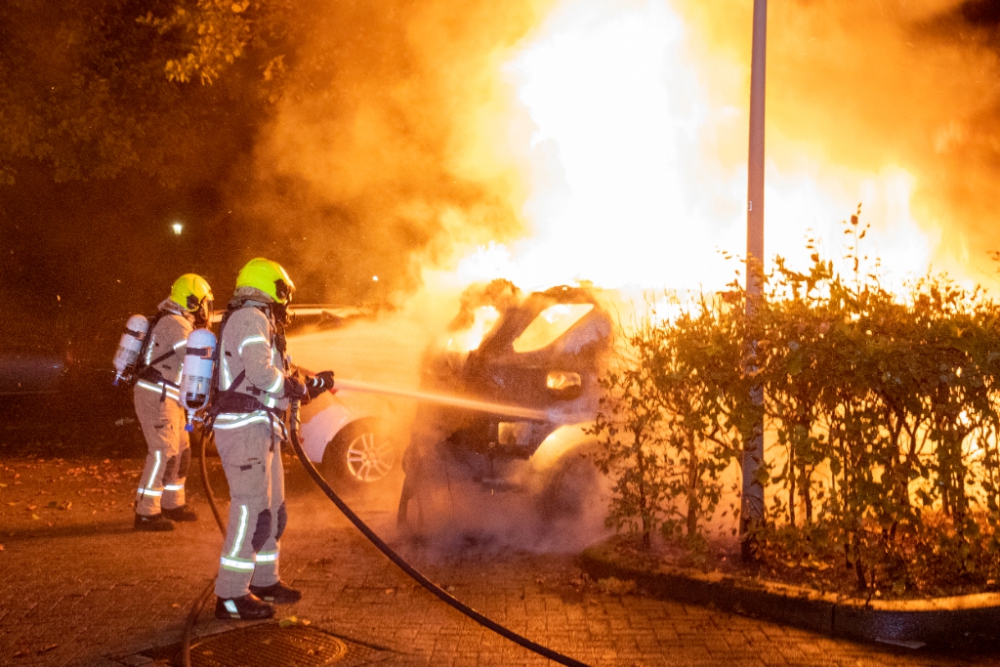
{"x": 178, "y": 228}
{"x": 752, "y": 505}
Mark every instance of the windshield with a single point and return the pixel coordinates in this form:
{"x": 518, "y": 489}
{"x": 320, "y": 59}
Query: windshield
{"x": 551, "y": 323}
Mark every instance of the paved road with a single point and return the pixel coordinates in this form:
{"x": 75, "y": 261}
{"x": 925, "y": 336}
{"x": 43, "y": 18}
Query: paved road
{"x": 79, "y": 587}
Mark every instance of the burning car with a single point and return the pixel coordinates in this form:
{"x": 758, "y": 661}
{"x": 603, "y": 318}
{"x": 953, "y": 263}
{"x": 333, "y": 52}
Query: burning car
{"x": 534, "y": 363}
{"x": 351, "y": 436}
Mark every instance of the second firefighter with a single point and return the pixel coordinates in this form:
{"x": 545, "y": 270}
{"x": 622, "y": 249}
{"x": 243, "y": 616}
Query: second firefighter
{"x": 256, "y": 382}
{"x": 160, "y": 498}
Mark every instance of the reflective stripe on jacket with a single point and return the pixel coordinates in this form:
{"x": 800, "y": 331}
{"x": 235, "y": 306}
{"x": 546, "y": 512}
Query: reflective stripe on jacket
{"x": 169, "y": 335}
{"x": 161, "y": 389}
{"x": 248, "y": 348}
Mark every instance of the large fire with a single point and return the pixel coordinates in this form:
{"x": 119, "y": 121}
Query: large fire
{"x": 548, "y": 141}
{"x": 554, "y": 141}
{"x": 630, "y": 129}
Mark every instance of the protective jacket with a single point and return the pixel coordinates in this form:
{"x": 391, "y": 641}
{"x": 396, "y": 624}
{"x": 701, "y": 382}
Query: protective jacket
{"x": 250, "y": 406}
{"x": 160, "y": 415}
{"x": 253, "y": 367}
{"x": 163, "y": 361}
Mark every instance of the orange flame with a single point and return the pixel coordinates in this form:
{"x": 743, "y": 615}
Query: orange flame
{"x": 636, "y": 162}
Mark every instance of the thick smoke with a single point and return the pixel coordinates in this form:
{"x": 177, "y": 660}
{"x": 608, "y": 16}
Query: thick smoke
{"x": 377, "y": 156}
{"x": 869, "y": 85}
{"x": 388, "y": 150}
{"x": 555, "y": 502}
{"x": 391, "y": 146}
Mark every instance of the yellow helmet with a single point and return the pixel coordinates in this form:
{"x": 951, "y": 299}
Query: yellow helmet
{"x": 267, "y": 276}
{"x": 193, "y": 293}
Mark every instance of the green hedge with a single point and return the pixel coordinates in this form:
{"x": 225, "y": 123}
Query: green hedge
{"x": 881, "y": 417}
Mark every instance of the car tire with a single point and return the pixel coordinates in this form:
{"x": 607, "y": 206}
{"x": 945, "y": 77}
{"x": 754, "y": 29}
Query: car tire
{"x": 361, "y": 455}
{"x": 570, "y": 489}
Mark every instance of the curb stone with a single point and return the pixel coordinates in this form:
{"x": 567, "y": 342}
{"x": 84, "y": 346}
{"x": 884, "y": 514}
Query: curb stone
{"x": 911, "y": 623}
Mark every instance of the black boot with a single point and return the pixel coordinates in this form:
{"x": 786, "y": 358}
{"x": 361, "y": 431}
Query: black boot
{"x": 182, "y": 513}
{"x": 155, "y": 523}
{"x": 247, "y": 608}
{"x": 277, "y": 593}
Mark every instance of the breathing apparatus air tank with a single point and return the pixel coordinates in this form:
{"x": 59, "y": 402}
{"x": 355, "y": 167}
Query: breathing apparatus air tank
{"x": 129, "y": 347}
{"x": 196, "y": 378}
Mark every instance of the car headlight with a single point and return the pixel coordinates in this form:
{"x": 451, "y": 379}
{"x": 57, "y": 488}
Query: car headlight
{"x": 563, "y": 381}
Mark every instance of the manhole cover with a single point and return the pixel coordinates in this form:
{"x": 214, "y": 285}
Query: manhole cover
{"x": 268, "y": 645}
{"x": 271, "y": 645}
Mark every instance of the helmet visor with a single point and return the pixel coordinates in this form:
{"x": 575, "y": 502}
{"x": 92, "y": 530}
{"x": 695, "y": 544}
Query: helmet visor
{"x": 283, "y": 291}
{"x": 201, "y": 308}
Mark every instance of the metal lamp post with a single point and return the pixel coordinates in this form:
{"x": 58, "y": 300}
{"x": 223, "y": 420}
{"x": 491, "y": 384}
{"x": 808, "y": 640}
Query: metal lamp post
{"x": 752, "y": 506}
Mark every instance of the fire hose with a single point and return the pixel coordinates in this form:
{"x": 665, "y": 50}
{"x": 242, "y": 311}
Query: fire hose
{"x": 365, "y": 530}
{"x": 409, "y": 569}
{"x": 199, "y": 603}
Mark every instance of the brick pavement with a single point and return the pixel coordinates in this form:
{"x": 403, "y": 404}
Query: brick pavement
{"x": 79, "y": 588}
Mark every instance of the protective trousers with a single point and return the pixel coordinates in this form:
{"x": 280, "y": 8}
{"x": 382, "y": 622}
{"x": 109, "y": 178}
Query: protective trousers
{"x": 169, "y": 453}
{"x": 251, "y": 459}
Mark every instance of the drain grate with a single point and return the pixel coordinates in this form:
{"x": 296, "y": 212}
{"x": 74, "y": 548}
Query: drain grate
{"x": 271, "y": 645}
{"x": 268, "y": 644}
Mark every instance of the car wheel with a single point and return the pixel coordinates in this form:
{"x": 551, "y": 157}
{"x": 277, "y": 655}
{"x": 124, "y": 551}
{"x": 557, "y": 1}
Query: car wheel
{"x": 572, "y": 489}
{"x": 360, "y": 455}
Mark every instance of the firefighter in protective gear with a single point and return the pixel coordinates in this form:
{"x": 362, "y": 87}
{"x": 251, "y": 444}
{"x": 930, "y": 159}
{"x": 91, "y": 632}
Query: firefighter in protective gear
{"x": 160, "y": 497}
{"x": 255, "y": 383}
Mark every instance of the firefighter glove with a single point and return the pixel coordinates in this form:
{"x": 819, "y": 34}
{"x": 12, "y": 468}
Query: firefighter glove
{"x": 317, "y": 384}
{"x": 295, "y": 388}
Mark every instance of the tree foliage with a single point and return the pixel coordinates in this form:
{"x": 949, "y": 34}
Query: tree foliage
{"x": 213, "y": 34}
{"x": 96, "y": 87}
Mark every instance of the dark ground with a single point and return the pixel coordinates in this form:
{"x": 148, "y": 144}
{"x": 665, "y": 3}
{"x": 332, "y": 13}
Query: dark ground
{"x": 79, "y": 587}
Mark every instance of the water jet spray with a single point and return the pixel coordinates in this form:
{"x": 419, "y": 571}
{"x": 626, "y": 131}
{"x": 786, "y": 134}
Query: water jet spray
{"x": 446, "y": 399}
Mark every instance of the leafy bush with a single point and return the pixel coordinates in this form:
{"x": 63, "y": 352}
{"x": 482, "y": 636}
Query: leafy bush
{"x": 881, "y": 417}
